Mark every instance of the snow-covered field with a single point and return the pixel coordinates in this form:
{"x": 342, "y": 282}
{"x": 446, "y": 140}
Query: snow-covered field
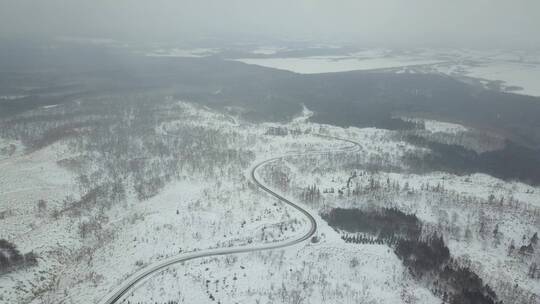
{"x": 219, "y": 207}
{"x": 24, "y": 180}
{"x": 329, "y": 272}
{"x": 10, "y": 149}
{"x": 466, "y": 209}
{"x": 192, "y": 214}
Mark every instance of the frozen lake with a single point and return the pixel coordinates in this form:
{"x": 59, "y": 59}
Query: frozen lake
{"x": 518, "y": 71}
{"x": 332, "y": 64}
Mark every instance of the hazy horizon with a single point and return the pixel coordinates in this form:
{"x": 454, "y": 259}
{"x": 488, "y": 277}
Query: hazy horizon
{"x": 418, "y": 23}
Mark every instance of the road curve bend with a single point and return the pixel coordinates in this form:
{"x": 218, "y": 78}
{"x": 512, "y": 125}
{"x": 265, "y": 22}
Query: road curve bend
{"x": 117, "y": 295}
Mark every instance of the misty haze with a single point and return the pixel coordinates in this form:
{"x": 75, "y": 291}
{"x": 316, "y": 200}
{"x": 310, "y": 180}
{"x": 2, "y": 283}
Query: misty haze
{"x": 166, "y": 152}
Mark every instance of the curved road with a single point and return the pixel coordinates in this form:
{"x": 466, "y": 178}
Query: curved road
{"x": 117, "y": 295}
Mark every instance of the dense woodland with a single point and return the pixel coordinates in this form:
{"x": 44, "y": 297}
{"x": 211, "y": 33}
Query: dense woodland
{"x": 12, "y": 259}
{"x": 511, "y": 162}
{"x": 359, "y": 98}
{"x": 424, "y": 255}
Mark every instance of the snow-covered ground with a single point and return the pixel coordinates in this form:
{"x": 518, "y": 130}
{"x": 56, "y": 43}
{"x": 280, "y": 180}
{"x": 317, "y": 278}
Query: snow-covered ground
{"x": 24, "y": 180}
{"x": 221, "y": 208}
{"x": 10, "y": 149}
{"x": 328, "y": 272}
{"x": 466, "y": 209}
{"x": 194, "y": 213}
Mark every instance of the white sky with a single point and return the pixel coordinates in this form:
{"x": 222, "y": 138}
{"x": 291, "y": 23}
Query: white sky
{"x": 469, "y": 23}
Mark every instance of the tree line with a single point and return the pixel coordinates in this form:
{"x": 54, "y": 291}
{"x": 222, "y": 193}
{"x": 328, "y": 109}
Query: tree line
{"x": 426, "y": 256}
{"x": 12, "y": 259}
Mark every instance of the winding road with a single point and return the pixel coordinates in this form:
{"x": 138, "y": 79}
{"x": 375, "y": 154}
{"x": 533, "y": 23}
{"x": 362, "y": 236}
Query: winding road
{"x": 117, "y": 295}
